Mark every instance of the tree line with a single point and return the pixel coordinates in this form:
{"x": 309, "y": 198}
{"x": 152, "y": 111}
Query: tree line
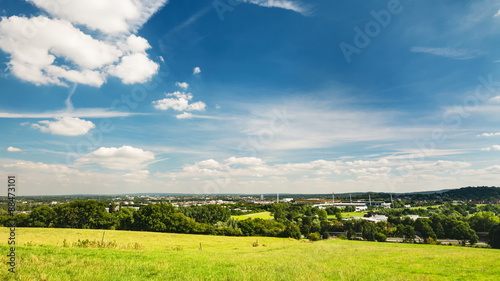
{"x": 290, "y": 220}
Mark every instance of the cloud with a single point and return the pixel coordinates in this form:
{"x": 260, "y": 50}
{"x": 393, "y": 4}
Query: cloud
{"x": 135, "y": 44}
{"x": 283, "y": 4}
{"x": 134, "y": 68}
{"x": 244, "y": 161}
{"x": 196, "y": 70}
{"x": 493, "y": 147}
{"x": 83, "y": 112}
{"x": 56, "y": 50}
{"x": 497, "y": 14}
{"x": 107, "y": 16}
{"x": 489, "y": 135}
{"x": 437, "y": 167}
{"x": 301, "y": 125}
{"x": 179, "y": 102}
{"x": 495, "y": 99}
{"x": 122, "y": 158}
{"x": 460, "y": 54}
{"x": 182, "y": 85}
{"x": 66, "y": 126}
{"x": 38, "y": 167}
{"x": 13, "y": 149}
{"x": 184, "y": 115}
{"x": 33, "y": 55}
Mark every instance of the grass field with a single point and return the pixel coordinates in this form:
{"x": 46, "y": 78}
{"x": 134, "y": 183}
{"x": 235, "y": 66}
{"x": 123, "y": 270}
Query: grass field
{"x": 262, "y": 215}
{"x": 165, "y": 256}
{"x": 348, "y": 215}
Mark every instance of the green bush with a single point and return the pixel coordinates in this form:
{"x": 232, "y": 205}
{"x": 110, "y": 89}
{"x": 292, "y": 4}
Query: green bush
{"x": 380, "y": 237}
{"x": 314, "y": 236}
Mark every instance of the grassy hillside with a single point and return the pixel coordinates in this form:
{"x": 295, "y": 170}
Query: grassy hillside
{"x": 262, "y": 215}
{"x": 164, "y": 256}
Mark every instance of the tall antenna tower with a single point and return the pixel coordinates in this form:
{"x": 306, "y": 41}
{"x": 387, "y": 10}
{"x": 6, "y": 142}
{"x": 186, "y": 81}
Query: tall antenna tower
{"x": 370, "y": 199}
{"x": 277, "y": 197}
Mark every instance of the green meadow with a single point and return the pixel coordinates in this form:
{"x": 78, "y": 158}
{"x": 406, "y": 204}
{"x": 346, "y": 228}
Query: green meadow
{"x": 52, "y": 254}
{"x": 261, "y": 215}
{"x": 348, "y": 215}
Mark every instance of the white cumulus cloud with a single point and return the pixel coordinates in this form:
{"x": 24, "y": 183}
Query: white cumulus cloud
{"x": 107, "y": 16}
{"x": 244, "y": 161}
{"x": 493, "y": 147}
{"x": 184, "y": 115}
{"x": 55, "y": 50}
{"x": 135, "y": 44}
{"x": 122, "y": 158}
{"x": 196, "y": 70}
{"x": 182, "y": 85}
{"x": 13, "y": 149}
{"x": 179, "y": 101}
{"x": 66, "y": 126}
{"x": 134, "y": 68}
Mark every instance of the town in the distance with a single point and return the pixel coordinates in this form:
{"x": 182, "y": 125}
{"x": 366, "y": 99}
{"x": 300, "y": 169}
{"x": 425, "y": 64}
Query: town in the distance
{"x": 467, "y": 216}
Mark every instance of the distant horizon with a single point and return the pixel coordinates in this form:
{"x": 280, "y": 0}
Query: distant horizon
{"x": 247, "y": 194}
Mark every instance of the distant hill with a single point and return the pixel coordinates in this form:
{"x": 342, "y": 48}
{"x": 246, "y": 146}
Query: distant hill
{"x": 474, "y": 193}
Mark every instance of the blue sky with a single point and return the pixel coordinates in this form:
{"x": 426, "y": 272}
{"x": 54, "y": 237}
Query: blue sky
{"x": 249, "y": 96}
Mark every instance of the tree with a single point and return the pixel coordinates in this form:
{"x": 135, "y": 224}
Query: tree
{"x": 348, "y": 209}
{"x": 278, "y": 211}
{"x": 380, "y": 237}
{"x": 462, "y": 232}
{"x": 153, "y": 217}
{"x": 483, "y": 221}
{"x": 423, "y": 226}
{"x": 179, "y": 223}
{"x": 42, "y": 216}
{"x": 369, "y": 231}
{"x": 322, "y": 214}
{"x": 438, "y": 229}
{"x": 210, "y": 214}
{"x": 397, "y": 204}
{"x": 494, "y": 236}
{"x": 125, "y": 218}
{"x": 247, "y": 227}
{"x": 87, "y": 214}
{"x": 292, "y": 231}
{"x": 407, "y": 232}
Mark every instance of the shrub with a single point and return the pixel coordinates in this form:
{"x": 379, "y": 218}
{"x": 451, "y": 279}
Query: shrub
{"x": 314, "y": 236}
{"x": 342, "y": 237}
{"x": 380, "y": 237}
